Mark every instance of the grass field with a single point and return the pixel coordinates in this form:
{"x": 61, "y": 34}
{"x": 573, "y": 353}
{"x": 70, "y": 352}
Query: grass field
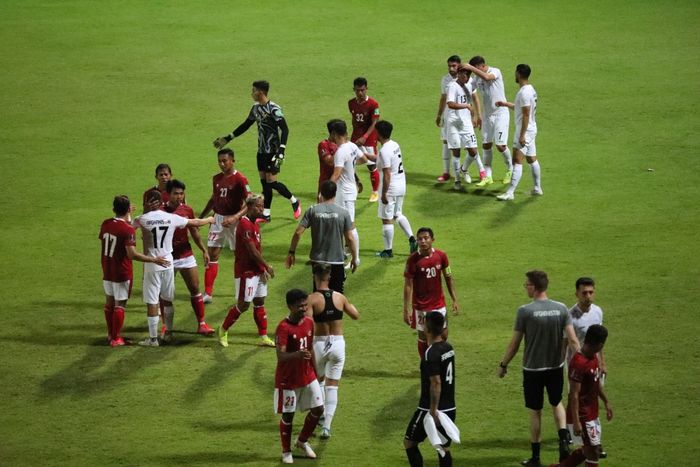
{"x": 94, "y": 95}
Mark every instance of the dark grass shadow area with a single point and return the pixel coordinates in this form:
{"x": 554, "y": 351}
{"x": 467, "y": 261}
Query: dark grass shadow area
{"x": 256, "y": 426}
{"x": 510, "y": 210}
{"x": 235, "y": 457}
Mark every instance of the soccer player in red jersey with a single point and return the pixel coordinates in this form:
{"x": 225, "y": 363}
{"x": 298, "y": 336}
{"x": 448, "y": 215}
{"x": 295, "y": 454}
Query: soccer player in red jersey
{"x": 296, "y": 386}
{"x": 365, "y": 114}
{"x": 163, "y": 174}
{"x": 230, "y": 189}
{"x": 183, "y": 258}
{"x": 251, "y": 273}
{"x": 584, "y": 391}
{"x": 118, "y": 250}
{"x": 422, "y": 291}
{"x": 326, "y": 151}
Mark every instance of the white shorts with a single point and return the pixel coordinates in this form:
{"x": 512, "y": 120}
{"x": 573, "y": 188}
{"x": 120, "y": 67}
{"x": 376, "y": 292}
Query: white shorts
{"x": 591, "y": 437}
{"x": 298, "y": 399}
{"x": 419, "y": 318}
{"x": 119, "y": 290}
{"x": 157, "y": 285}
{"x": 529, "y": 149}
{"x": 220, "y": 235}
{"x": 460, "y": 135}
{"x": 494, "y": 129}
{"x": 348, "y": 205}
{"x": 188, "y": 262}
{"x": 252, "y": 287}
{"x": 330, "y": 356}
{"x": 390, "y": 210}
{"x": 368, "y": 150}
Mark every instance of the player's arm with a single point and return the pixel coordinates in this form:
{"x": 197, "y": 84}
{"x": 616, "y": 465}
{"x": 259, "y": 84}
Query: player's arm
{"x": 441, "y": 109}
{"x": 608, "y": 406}
{"x": 232, "y": 219}
{"x": 455, "y": 106}
{"x": 510, "y": 105}
{"x": 258, "y": 257}
{"x": 447, "y": 274}
{"x": 222, "y": 141}
{"x": 284, "y": 356}
{"x": 133, "y": 254}
{"x": 337, "y": 172}
{"x": 386, "y": 174}
{"x": 435, "y": 390}
{"x": 325, "y": 157}
{"x": 200, "y": 222}
{"x": 197, "y": 239}
{"x": 207, "y": 208}
{"x": 574, "y": 389}
{"x": 526, "y": 122}
{"x": 350, "y": 309}
{"x": 476, "y": 114}
{"x": 601, "y": 360}
{"x": 363, "y": 139}
{"x": 407, "y": 297}
{"x": 481, "y": 74}
{"x": 511, "y": 350}
{"x": 350, "y": 242}
{"x": 289, "y": 262}
{"x": 572, "y": 339}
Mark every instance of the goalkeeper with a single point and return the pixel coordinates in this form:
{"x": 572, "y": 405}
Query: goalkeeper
{"x": 272, "y": 140}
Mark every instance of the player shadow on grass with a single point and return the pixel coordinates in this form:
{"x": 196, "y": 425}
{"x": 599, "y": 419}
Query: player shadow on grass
{"x": 223, "y": 365}
{"x": 509, "y": 211}
{"x": 233, "y": 457}
{"x": 394, "y": 415}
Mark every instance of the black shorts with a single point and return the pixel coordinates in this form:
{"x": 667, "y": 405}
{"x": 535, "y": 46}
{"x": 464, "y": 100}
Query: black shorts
{"x": 337, "y": 279}
{"x": 265, "y": 163}
{"x": 534, "y": 383}
{"x": 416, "y": 432}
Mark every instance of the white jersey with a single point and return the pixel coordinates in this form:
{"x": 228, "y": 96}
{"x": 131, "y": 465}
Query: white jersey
{"x": 460, "y": 94}
{"x": 346, "y": 156}
{"x": 158, "y": 228}
{"x": 526, "y": 97}
{"x": 582, "y": 321}
{"x": 390, "y": 157}
{"x": 445, "y": 83}
{"x": 492, "y": 90}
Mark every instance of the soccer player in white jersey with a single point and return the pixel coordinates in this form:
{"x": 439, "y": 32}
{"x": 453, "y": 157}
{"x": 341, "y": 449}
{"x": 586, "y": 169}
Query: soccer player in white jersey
{"x": 525, "y": 132}
{"x": 496, "y": 120}
{"x": 393, "y": 189}
{"x": 462, "y": 103}
{"x": 344, "y": 160}
{"x": 452, "y": 64}
{"x": 158, "y": 228}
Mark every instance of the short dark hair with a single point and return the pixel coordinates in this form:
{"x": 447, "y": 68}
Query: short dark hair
{"x": 523, "y": 70}
{"x": 295, "y": 296}
{"x": 227, "y": 151}
{"x": 384, "y": 128}
{"x": 538, "y": 279}
{"x": 331, "y": 122}
{"x": 581, "y": 281}
{"x": 454, "y": 59}
{"x": 262, "y": 85}
{"x": 477, "y": 60}
{"x": 152, "y": 196}
{"x": 320, "y": 269}
{"x": 425, "y": 229}
{"x": 339, "y": 128}
{"x": 359, "y": 81}
{"x": 173, "y": 184}
{"x": 121, "y": 205}
{"x": 434, "y": 322}
{"x": 160, "y": 167}
{"x": 596, "y": 334}
{"x": 328, "y": 189}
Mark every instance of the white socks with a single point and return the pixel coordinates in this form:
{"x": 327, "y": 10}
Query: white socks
{"x": 535, "y": 166}
{"x": 469, "y": 160}
{"x": 331, "y": 402}
{"x": 388, "y": 235}
{"x": 153, "y": 327}
{"x": 405, "y": 225}
{"x": 517, "y": 173}
{"x": 293, "y": 199}
{"x": 455, "y": 165}
{"x": 488, "y": 161}
{"x": 445, "y": 158}
{"x": 507, "y": 159}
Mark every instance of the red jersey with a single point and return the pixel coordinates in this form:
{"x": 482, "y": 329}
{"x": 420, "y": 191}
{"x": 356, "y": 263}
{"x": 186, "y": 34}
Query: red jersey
{"x": 181, "y": 239}
{"x": 247, "y": 231}
{"x": 426, "y": 274}
{"x": 230, "y": 192}
{"x": 587, "y": 372}
{"x": 116, "y": 234}
{"x": 363, "y": 114}
{"x": 325, "y": 148}
{"x": 295, "y": 373}
{"x": 164, "y": 196}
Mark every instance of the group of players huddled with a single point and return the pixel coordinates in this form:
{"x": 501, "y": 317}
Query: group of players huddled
{"x": 309, "y": 341}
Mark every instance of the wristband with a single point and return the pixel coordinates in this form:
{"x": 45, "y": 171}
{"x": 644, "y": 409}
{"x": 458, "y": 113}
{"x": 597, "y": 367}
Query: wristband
{"x": 502, "y": 365}
{"x": 291, "y": 252}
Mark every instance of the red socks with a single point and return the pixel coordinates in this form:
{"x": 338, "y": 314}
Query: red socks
{"x": 310, "y": 423}
{"x": 231, "y": 317}
{"x": 286, "y": 436}
{"x": 260, "y": 319}
{"x": 210, "y": 274}
{"x": 198, "y": 307}
{"x": 374, "y": 177}
{"x": 108, "y": 319}
{"x": 576, "y": 458}
{"x": 422, "y": 347}
{"x": 117, "y": 321}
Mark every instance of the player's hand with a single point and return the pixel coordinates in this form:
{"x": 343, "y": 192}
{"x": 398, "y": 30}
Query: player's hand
{"x": 522, "y": 141}
{"x": 407, "y": 317}
{"x": 361, "y": 141}
{"x": 502, "y": 371}
{"x": 269, "y": 272}
{"x": 222, "y": 141}
{"x": 289, "y": 261}
{"x": 577, "y": 427}
{"x": 477, "y": 122}
{"x": 438, "y": 120}
{"x": 161, "y": 261}
{"x": 304, "y": 354}
{"x": 277, "y": 161}
{"x": 455, "y": 308}
{"x": 211, "y": 220}
{"x": 354, "y": 263}
{"x": 501, "y": 104}
{"x": 206, "y": 258}
{"x": 608, "y": 411}
{"x": 385, "y": 200}
{"x": 229, "y": 220}
{"x": 154, "y": 205}
{"x": 436, "y": 419}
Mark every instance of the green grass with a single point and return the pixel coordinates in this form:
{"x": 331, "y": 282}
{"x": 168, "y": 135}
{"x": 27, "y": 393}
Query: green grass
{"x": 95, "y": 95}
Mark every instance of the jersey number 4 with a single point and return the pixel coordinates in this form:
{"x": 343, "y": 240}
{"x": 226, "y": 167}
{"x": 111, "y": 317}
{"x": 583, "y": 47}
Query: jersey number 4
{"x": 164, "y": 230}
{"x": 448, "y": 374}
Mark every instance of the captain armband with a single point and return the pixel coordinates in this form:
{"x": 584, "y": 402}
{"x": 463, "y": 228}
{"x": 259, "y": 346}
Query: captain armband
{"x": 448, "y": 271}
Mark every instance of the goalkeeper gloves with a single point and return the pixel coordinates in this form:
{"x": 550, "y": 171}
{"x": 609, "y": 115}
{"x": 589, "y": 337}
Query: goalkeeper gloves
{"x": 222, "y": 141}
{"x": 278, "y": 159}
